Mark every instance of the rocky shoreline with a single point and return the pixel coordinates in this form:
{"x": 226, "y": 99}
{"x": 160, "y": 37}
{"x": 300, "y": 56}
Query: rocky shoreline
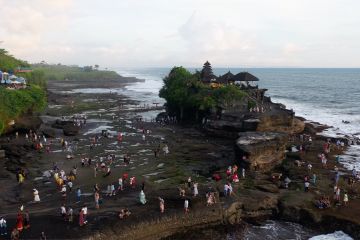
{"x": 193, "y": 152}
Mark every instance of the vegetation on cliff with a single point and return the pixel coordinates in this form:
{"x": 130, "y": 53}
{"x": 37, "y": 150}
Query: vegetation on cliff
{"x": 61, "y": 72}
{"x": 189, "y": 98}
{"x": 8, "y": 63}
{"x": 14, "y": 103}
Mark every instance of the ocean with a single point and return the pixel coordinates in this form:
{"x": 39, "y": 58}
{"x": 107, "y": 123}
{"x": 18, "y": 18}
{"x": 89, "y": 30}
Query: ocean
{"x": 327, "y": 96}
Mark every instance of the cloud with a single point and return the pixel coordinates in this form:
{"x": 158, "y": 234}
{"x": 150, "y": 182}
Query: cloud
{"x": 25, "y": 27}
{"x": 205, "y": 38}
{"x": 143, "y": 33}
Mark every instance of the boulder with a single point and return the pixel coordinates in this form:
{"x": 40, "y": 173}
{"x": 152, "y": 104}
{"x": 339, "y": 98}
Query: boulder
{"x": 262, "y": 150}
{"x": 49, "y": 132}
{"x": 59, "y": 124}
{"x": 25, "y": 123}
{"x": 70, "y": 130}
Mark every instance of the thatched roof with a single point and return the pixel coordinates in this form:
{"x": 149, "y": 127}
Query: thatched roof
{"x": 226, "y": 78}
{"x": 245, "y": 77}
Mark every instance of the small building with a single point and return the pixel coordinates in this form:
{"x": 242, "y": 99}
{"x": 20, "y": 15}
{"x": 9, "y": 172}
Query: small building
{"x": 226, "y": 79}
{"x": 23, "y": 70}
{"x": 4, "y": 77}
{"x": 244, "y": 79}
{"x": 12, "y": 81}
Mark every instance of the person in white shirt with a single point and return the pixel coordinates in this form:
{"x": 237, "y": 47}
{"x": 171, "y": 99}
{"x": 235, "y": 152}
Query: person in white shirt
{"x": 3, "y": 226}
{"x": 85, "y": 211}
{"x": 63, "y": 211}
{"x": 186, "y": 206}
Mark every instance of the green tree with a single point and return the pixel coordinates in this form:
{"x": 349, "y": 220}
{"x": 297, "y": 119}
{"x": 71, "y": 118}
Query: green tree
{"x": 188, "y": 97}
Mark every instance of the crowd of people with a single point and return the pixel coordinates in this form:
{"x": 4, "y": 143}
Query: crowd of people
{"x": 65, "y": 182}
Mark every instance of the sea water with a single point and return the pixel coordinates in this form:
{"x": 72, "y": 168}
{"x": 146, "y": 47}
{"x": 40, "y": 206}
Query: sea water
{"x": 327, "y": 96}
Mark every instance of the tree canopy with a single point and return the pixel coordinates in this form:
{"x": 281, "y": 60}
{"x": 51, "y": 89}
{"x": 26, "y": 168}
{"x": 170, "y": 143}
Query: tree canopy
{"x": 8, "y": 63}
{"x": 189, "y": 98}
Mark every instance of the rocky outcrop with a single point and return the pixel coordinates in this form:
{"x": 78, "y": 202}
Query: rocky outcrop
{"x": 280, "y": 121}
{"x": 262, "y": 150}
{"x": 25, "y": 124}
{"x": 68, "y": 127}
{"x": 48, "y": 132}
{"x": 18, "y": 153}
{"x": 71, "y": 130}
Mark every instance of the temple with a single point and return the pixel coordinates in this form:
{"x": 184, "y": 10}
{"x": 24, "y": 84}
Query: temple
{"x": 244, "y": 80}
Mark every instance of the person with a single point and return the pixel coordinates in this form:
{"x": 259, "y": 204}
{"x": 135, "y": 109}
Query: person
{"x": 95, "y": 170}
{"x": 97, "y": 197}
{"x": 346, "y": 199}
{"x": 133, "y": 182}
{"x": 112, "y": 189}
{"x": 26, "y": 220}
{"x": 81, "y": 218}
{"x": 21, "y": 177}
{"x": 226, "y": 189}
{"x": 186, "y": 206}
{"x": 143, "y": 137}
{"x": 85, "y": 213}
{"x": 182, "y": 192}
{"x": 309, "y": 167}
{"x": 124, "y": 213}
{"x": 189, "y": 181}
{"x": 209, "y": 199}
{"x": 162, "y": 205}
{"x": 42, "y": 236}
{"x": 70, "y": 185}
{"x": 36, "y": 195}
{"x": 108, "y": 172}
{"x": 70, "y": 214}
{"x": 337, "y": 194}
{"x": 78, "y": 194}
{"x": 166, "y": 150}
{"x": 121, "y": 186}
{"x": 235, "y": 177}
{"x": 230, "y": 189}
{"x": 3, "y": 226}
{"x": 63, "y": 191}
{"x": 354, "y": 172}
{"x": 63, "y": 212}
{"x": 243, "y": 173}
{"x": 195, "y": 189}
{"x": 142, "y": 197}
{"x": 287, "y": 181}
{"x": 19, "y": 222}
{"x": 15, "y": 234}
{"x": 314, "y": 178}
{"x": 306, "y": 184}
{"x": 337, "y": 159}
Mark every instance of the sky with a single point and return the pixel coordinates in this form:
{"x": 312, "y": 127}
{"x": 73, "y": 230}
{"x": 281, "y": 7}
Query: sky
{"x": 165, "y": 33}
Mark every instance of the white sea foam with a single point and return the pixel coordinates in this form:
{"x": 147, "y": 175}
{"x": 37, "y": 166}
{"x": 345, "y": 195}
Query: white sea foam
{"x": 338, "y": 235}
{"x": 97, "y": 130}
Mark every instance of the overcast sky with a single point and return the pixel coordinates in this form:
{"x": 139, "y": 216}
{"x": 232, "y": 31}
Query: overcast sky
{"x": 163, "y": 33}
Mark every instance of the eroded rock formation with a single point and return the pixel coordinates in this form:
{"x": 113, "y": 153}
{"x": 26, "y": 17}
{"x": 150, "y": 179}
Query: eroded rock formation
{"x": 262, "y": 150}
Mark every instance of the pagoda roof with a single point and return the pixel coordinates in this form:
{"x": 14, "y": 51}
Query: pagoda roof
{"x": 226, "y": 77}
{"x": 245, "y": 77}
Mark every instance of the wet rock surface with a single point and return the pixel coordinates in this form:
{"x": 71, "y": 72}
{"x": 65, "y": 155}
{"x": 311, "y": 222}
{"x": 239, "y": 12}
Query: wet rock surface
{"x": 262, "y": 150}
